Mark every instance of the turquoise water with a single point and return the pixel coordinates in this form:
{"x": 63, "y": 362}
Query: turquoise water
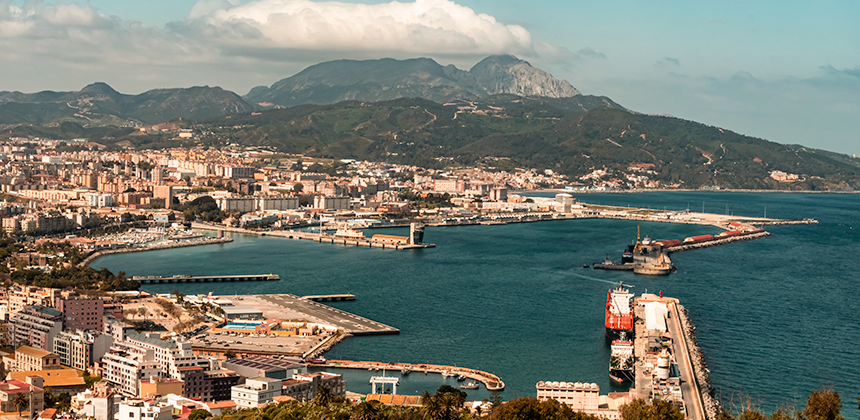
{"x": 776, "y": 317}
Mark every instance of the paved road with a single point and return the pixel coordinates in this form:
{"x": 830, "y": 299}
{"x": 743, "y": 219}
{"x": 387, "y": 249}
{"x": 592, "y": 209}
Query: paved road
{"x": 287, "y": 304}
{"x": 689, "y": 389}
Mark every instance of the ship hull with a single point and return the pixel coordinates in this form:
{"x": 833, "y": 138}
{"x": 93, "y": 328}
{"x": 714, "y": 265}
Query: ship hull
{"x": 615, "y": 333}
{"x": 652, "y": 270}
{"x": 621, "y": 376}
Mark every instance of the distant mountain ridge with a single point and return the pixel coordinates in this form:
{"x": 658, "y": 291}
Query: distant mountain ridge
{"x": 100, "y": 104}
{"x": 387, "y": 79}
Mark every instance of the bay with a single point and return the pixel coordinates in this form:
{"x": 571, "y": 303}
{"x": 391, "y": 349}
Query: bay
{"x": 776, "y": 318}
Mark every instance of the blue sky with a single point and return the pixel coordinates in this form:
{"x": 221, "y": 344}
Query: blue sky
{"x": 786, "y": 71}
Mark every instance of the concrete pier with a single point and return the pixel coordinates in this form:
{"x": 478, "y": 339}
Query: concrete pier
{"x": 492, "y": 382}
{"x": 330, "y": 298}
{"x": 317, "y": 237}
{"x": 204, "y": 279}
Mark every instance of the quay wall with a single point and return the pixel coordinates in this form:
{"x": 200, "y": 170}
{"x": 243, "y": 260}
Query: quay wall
{"x": 700, "y": 367}
{"x": 208, "y": 241}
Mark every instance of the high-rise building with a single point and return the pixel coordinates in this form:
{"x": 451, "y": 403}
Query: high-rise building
{"x": 81, "y": 313}
{"x": 164, "y": 192}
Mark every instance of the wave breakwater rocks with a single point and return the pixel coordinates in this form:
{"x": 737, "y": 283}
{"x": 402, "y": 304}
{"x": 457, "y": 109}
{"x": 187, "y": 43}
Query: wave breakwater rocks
{"x": 181, "y": 244}
{"x": 700, "y": 368}
{"x": 327, "y": 344}
{"x": 715, "y": 242}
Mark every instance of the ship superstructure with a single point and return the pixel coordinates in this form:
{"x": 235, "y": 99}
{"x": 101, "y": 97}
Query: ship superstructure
{"x": 619, "y": 312}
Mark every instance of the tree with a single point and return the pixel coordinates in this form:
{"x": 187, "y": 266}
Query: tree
{"x": 229, "y": 354}
{"x": 658, "y": 410}
{"x": 323, "y": 397}
{"x": 822, "y": 405}
{"x": 3, "y": 372}
{"x": 22, "y": 400}
{"x": 368, "y": 410}
{"x": 199, "y": 414}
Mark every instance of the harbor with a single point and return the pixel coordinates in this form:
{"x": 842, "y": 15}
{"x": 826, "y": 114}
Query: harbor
{"x": 484, "y": 275}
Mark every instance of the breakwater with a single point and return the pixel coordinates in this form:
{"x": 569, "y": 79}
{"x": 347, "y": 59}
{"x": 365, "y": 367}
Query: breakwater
{"x": 491, "y": 381}
{"x": 716, "y": 241}
{"x": 180, "y": 244}
{"x": 319, "y": 237}
{"x": 710, "y": 404}
{"x": 326, "y": 344}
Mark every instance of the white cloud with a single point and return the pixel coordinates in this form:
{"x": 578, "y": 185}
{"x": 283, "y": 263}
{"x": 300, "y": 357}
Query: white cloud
{"x": 419, "y": 27}
{"x": 234, "y": 44}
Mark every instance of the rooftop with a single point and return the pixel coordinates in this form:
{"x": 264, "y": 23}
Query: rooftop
{"x": 32, "y": 351}
{"x": 154, "y": 340}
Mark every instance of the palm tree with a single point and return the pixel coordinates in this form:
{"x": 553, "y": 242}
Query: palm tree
{"x": 21, "y": 401}
{"x": 430, "y": 406}
{"x": 323, "y": 397}
{"x": 367, "y": 410}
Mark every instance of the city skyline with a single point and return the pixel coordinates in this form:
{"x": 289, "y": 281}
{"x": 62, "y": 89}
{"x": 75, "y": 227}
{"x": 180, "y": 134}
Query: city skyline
{"x": 787, "y": 72}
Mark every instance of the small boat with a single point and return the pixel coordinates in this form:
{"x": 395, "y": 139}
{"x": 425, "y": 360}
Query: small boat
{"x": 461, "y": 378}
{"x": 585, "y": 266}
{"x": 469, "y": 385}
{"x": 446, "y": 374}
{"x": 405, "y": 371}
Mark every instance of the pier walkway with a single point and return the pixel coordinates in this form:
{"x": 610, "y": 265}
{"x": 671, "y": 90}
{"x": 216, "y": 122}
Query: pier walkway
{"x": 689, "y": 386}
{"x": 330, "y": 298}
{"x": 492, "y": 382}
{"x": 204, "y": 279}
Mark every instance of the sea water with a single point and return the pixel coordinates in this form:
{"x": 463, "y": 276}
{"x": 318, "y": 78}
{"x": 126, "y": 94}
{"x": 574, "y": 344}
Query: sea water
{"x": 775, "y": 317}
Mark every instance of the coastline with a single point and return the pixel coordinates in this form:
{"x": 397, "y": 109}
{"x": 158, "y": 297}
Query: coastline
{"x": 182, "y": 244}
{"x": 646, "y": 190}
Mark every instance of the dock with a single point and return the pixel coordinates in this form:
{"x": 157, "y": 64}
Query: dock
{"x": 647, "y": 383}
{"x": 204, "y": 279}
{"x": 287, "y": 306}
{"x": 330, "y": 298}
{"x": 490, "y": 381}
{"x": 317, "y": 237}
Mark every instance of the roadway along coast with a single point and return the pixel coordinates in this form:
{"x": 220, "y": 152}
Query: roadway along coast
{"x": 177, "y": 244}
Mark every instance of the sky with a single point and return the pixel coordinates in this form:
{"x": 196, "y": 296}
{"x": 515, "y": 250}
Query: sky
{"x": 786, "y": 71}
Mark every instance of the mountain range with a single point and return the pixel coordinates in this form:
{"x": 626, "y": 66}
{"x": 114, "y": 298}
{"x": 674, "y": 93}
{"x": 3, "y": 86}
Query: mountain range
{"x": 386, "y": 79}
{"x": 99, "y": 104}
{"x": 502, "y": 112}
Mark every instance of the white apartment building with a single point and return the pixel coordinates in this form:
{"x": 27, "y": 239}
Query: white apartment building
{"x": 81, "y": 349}
{"x": 584, "y": 398}
{"x": 125, "y": 366}
{"x": 169, "y": 354}
{"x": 136, "y": 409}
{"x": 255, "y": 391}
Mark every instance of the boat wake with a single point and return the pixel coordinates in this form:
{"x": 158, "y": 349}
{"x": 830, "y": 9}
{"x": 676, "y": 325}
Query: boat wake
{"x": 615, "y": 283}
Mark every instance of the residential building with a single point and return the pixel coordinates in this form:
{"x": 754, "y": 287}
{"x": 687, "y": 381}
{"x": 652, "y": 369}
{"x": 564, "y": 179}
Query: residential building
{"x": 9, "y": 389}
{"x": 449, "y": 185}
{"x": 164, "y": 192}
{"x": 169, "y": 354}
{"x": 140, "y": 409}
{"x": 255, "y": 391}
{"x": 304, "y": 386}
{"x": 81, "y": 313}
{"x": 81, "y": 349}
{"x": 331, "y": 203}
{"x": 30, "y": 359}
{"x": 125, "y": 366}
{"x": 585, "y": 398}
{"x": 59, "y": 380}
{"x": 35, "y": 325}
{"x": 153, "y": 387}
{"x": 21, "y": 296}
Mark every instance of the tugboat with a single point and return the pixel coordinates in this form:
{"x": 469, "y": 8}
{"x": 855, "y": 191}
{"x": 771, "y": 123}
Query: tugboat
{"x": 619, "y": 312}
{"x": 621, "y": 360}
